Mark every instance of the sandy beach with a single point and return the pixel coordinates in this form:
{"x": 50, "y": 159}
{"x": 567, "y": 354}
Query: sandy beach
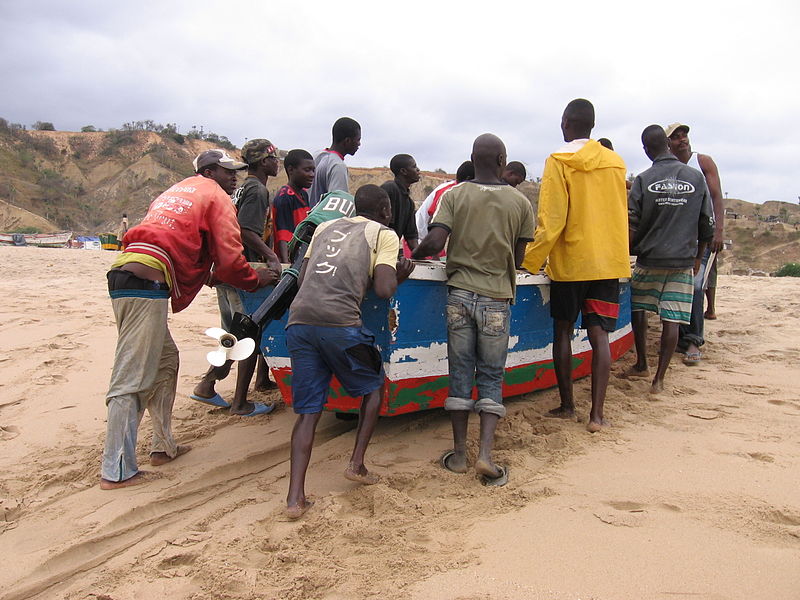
{"x": 691, "y": 495}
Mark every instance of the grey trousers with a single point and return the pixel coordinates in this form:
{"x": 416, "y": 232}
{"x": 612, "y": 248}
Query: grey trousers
{"x": 145, "y": 376}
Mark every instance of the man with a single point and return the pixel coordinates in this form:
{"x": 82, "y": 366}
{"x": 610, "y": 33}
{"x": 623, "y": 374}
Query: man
{"x": 331, "y": 172}
{"x": 691, "y": 336}
{"x": 169, "y": 254}
{"x": 427, "y": 209}
{"x": 583, "y": 233}
{"x": 252, "y": 206}
{"x": 481, "y": 278}
{"x": 291, "y": 202}
{"x": 325, "y": 335}
{"x": 406, "y": 173}
{"x": 669, "y": 210}
{"x": 514, "y": 173}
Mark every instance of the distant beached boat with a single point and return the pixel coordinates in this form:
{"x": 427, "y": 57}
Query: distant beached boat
{"x": 411, "y": 332}
{"x": 45, "y": 240}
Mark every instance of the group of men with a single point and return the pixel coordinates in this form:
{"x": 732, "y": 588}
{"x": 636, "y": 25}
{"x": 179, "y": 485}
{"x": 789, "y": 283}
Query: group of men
{"x": 588, "y": 225}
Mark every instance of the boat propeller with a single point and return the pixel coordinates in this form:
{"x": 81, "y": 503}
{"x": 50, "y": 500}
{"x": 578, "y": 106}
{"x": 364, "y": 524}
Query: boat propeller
{"x": 229, "y": 348}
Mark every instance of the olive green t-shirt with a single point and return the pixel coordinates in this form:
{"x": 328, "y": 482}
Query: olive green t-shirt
{"x": 484, "y": 221}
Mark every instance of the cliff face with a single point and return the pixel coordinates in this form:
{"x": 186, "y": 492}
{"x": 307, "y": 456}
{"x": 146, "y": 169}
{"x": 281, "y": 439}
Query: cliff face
{"x": 85, "y": 181}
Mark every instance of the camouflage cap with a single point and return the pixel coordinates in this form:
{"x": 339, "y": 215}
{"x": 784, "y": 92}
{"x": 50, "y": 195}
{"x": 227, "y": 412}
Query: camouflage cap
{"x": 217, "y": 156}
{"x": 258, "y": 149}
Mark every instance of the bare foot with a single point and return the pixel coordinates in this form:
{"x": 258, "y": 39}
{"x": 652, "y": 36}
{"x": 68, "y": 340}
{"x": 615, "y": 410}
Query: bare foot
{"x": 595, "y": 426}
{"x": 161, "y": 458}
{"x": 562, "y": 412}
{"x": 710, "y": 315}
{"x": 360, "y": 475}
{"x": 299, "y": 509}
{"x": 140, "y": 477}
{"x": 266, "y": 386}
{"x": 657, "y": 387}
{"x": 634, "y": 371}
{"x": 487, "y": 468}
{"x": 454, "y": 463}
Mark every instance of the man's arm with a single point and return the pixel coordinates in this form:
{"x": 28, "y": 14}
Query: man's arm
{"x": 252, "y": 240}
{"x": 385, "y": 279}
{"x": 711, "y": 173}
{"x": 410, "y": 229}
{"x": 432, "y": 243}
{"x": 553, "y": 202}
{"x": 635, "y": 198}
{"x": 519, "y": 252}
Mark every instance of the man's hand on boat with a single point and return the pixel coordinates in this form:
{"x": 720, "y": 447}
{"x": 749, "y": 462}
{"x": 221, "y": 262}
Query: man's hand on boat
{"x": 404, "y": 268}
{"x": 267, "y": 276}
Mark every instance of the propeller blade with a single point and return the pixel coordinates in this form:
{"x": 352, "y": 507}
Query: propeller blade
{"x": 242, "y": 349}
{"x": 217, "y": 357}
{"x": 215, "y": 332}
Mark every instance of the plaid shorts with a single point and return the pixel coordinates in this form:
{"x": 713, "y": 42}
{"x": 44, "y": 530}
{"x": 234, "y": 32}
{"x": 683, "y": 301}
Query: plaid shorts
{"x": 667, "y": 292}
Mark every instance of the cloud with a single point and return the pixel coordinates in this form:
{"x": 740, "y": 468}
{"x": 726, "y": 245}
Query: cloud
{"x": 423, "y": 78}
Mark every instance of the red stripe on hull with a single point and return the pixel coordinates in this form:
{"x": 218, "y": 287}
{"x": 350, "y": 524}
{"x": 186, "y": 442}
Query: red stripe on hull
{"x": 423, "y": 393}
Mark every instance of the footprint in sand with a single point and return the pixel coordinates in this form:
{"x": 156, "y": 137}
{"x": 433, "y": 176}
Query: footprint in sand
{"x": 782, "y": 517}
{"x": 760, "y": 456}
{"x": 8, "y": 432}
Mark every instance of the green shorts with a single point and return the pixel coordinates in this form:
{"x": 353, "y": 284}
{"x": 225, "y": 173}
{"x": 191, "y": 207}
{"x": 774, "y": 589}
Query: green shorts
{"x": 667, "y": 292}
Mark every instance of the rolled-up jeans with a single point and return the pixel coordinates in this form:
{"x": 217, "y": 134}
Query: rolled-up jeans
{"x": 477, "y": 346}
{"x": 693, "y": 332}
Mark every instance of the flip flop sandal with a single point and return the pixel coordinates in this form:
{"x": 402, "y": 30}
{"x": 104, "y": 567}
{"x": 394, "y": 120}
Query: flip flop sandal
{"x": 692, "y": 359}
{"x": 443, "y": 462}
{"x": 498, "y": 481}
{"x": 259, "y": 409}
{"x": 215, "y": 400}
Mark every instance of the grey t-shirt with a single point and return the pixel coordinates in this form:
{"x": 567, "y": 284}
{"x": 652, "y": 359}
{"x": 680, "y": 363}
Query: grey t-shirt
{"x": 669, "y": 210}
{"x": 330, "y": 175}
{"x": 252, "y": 204}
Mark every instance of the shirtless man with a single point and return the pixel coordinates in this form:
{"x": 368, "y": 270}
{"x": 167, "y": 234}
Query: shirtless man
{"x": 691, "y": 337}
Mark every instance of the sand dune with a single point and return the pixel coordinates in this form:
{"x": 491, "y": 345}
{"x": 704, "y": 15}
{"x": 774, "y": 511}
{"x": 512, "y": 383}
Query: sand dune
{"x": 693, "y": 495}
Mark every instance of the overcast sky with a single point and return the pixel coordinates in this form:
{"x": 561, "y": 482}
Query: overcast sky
{"x": 422, "y": 77}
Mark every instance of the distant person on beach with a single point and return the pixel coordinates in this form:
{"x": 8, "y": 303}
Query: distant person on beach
{"x": 326, "y": 336}
{"x": 252, "y": 206}
{"x": 406, "y": 173}
{"x": 481, "y": 277}
{"x": 123, "y": 229}
{"x": 671, "y": 221}
{"x": 169, "y": 255}
{"x": 514, "y": 173}
{"x": 331, "y": 172}
{"x": 291, "y": 202}
{"x": 583, "y": 233}
{"x": 427, "y": 209}
{"x": 692, "y": 336}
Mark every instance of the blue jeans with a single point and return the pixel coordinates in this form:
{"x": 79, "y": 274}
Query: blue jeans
{"x": 477, "y": 346}
{"x": 693, "y": 332}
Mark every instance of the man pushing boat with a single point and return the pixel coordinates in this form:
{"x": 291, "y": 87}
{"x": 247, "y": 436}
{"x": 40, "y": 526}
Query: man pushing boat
{"x": 326, "y": 336}
{"x": 488, "y": 223}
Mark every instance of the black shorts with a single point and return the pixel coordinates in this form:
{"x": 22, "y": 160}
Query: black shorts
{"x": 597, "y": 300}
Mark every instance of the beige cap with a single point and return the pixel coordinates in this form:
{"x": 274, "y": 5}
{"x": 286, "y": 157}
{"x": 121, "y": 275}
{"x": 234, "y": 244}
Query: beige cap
{"x": 670, "y": 129}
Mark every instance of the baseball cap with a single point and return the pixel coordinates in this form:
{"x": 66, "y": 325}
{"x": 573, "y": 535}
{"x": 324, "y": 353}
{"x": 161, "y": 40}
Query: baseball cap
{"x": 217, "y": 156}
{"x": 670, "y": 129}
{"x": 258, "y": 149}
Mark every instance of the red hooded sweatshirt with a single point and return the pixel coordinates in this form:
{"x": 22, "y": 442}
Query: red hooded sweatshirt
{"x": 189, "y": 228}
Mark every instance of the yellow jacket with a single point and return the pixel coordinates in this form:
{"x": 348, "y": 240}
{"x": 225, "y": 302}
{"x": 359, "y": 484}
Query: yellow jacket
{"x": 583, "y": 217}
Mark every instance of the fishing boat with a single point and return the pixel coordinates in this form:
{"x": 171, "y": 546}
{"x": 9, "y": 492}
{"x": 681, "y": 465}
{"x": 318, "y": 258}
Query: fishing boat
{"x": 59, "y": 239}
{"x": 411, "y": 332}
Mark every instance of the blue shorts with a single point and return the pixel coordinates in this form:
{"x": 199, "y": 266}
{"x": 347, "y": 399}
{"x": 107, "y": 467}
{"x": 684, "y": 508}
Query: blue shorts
{"x": 318, "y": 353}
